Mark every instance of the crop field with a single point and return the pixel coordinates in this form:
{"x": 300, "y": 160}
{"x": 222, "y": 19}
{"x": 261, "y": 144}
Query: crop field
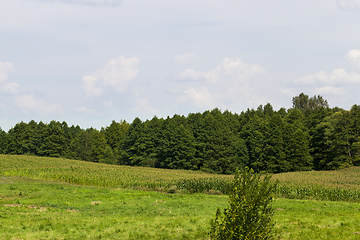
{"x": 39, "y": 209}
{"x": 101, "y": 175}
{"x": 348, "y": 178}
{"x": 339, "y": 185}
{"x": 50, "y": 198}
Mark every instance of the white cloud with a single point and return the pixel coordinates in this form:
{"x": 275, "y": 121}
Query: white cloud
{"x": 84, "y": 109}
{"x": 200, "y": 98}
{"x": 89, "y": 85}
{"x": 28, "y": 103}
{"x": 54, "y": 108}
{"x": 116, "y": 73}
{"x": 348, "y": 5}
{"x": 236, "y": 69}
{"x": 330, "y": 90}
{"x": 336, "y": 76}
{"x": 230, "y": 84}
{"x": 107, "y": 103}
{"x": 5, "y": 69}
{"x": 287, "y": 92}
{"x": 354, "y": 56}
{"x": 4, "y": 106}
{"x": 144, "y": 108}
{"x": 184, "y": 58}
{"x": 89, "y": 2}
{"x": 189, "y": 74}
{"x": 10, "y": 88}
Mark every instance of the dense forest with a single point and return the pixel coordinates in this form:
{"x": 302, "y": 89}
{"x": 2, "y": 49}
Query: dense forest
{"x": 308, "y": 136}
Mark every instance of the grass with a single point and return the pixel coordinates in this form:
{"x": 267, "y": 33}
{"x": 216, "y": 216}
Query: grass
{"x": 102, "y": 201}
{"x": 42, "y": 210}
{"x": 38, "y": 209}
{"x": 339, "y": 185}
{"x": 96, "y": 174}
{"x": 348, "y": 178}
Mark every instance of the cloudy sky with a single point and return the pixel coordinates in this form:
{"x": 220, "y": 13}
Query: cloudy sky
{"x": 88, "y": 62}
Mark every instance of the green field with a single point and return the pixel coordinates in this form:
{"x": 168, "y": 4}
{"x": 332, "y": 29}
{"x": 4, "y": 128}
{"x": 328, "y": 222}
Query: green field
{"x": 46, "y": 198}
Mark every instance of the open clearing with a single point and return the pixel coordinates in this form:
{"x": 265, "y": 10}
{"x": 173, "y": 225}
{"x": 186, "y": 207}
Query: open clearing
{"x": 49, "y": 209}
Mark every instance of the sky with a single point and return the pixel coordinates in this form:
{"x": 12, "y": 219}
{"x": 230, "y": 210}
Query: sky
{"x": 88, "y": 62}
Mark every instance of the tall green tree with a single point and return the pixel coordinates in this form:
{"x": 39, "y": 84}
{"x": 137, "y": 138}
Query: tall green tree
{"x": 19, "y": 139}
{"x": 304, "y": 103}
{"x": 333, "y": 148}
{"x": 83, "y": 146}
{"x": 3, "y": 141}
{"x": 253, "y": 128}
{"x": 217, "y": 146}
{"x": 354, "y": 131}
{"x": 274, "y": 146}
{"x": 177, "y": 147}
{"x": 115, "y": 134}
{"x": 296, "y": 142}
{"x": 131, "y": 151}
{"x": 54, "y": 144}
{"x": 98, "y": 144}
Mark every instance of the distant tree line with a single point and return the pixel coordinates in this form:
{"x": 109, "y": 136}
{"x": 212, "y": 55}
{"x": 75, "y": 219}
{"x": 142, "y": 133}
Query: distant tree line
{"x": 310, "y": 135}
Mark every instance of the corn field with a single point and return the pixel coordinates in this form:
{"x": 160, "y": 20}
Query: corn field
{"x": 339, "y": 185}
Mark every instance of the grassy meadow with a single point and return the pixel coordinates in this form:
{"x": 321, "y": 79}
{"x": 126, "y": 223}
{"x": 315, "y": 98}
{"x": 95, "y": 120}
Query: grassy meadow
{"x": 49, "y": 198}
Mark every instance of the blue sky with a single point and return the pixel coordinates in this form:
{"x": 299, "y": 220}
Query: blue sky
{"x": 88, "y": 62}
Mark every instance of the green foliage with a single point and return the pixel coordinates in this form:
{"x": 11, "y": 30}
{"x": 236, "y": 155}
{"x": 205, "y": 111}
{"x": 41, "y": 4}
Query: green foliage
{"x": 309, "y": 136}
{"x": 36, "y": 209}
{"x": 176, "y": 148}
{"x": 304, "y": 103}
{"x": 109, "y": 157}
{"x": 250, "y": 213}
{"x": 3, "y": 141}
{"x": 339, "y": 185}
{"x": 54, "y": 144}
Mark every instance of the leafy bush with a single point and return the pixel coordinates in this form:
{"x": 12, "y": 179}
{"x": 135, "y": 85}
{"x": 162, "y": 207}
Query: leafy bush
{"x": 249, "y": 215}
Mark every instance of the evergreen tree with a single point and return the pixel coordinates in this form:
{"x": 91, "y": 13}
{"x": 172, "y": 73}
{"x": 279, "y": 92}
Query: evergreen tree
{"x": 3, "y": 141}
{"x": 98, "y": 144}
{"x": 54, "y": 144}
{"x": 274, "y": 146}
{"x": 109, "y": 157}
{"x": 131, "y": 151}
{"x": 304, "y": 103}
{"x": 296, "y": 142}
{"x": 253, "y": 134}
{"x": 217, "y": 146}
{"x": 18, "y": 139}
{"x": 354, "y": 131}
{"x": 115, "y": 135}
{"x": 333, "y": 148}
{"x": 177, "y": 148}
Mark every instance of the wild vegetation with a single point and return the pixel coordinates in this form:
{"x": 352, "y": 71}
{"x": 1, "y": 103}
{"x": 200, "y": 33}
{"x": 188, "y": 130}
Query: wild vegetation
{"x": 309, "y": 136}
{"x": 316, "y": 185}
{"x": 52, "y": 209}
{"x": 250, "y": 213}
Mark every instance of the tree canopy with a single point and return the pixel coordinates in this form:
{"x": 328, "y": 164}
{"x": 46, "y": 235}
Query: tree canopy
{"x": 308, "y": 136}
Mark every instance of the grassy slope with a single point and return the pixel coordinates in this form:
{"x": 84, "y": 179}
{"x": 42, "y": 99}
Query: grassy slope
{"x": 95, "y": 174}
{"x": 35, "y": 209}
{"x": 51, "y": 210}
{"x": 348, "y": 178}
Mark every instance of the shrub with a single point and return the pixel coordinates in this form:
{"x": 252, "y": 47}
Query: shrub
{"x": 249, "y": 215}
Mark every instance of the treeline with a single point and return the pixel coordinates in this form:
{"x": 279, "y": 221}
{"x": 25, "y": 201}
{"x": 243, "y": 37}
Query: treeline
{"x": 308, "y": 136}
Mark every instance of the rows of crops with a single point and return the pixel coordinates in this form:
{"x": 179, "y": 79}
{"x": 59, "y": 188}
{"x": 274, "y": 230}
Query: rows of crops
{"x": 341, "y": 185}
{"x": 95, "y": 174}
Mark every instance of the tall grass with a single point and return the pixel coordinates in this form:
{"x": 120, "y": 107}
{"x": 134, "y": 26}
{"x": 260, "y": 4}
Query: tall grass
{"x": 96, "y": 174}
{"x": 340, "y": 185}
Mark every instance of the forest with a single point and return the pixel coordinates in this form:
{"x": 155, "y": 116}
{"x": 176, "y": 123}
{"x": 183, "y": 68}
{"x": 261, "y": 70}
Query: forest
{"x": 308, "y": 136}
